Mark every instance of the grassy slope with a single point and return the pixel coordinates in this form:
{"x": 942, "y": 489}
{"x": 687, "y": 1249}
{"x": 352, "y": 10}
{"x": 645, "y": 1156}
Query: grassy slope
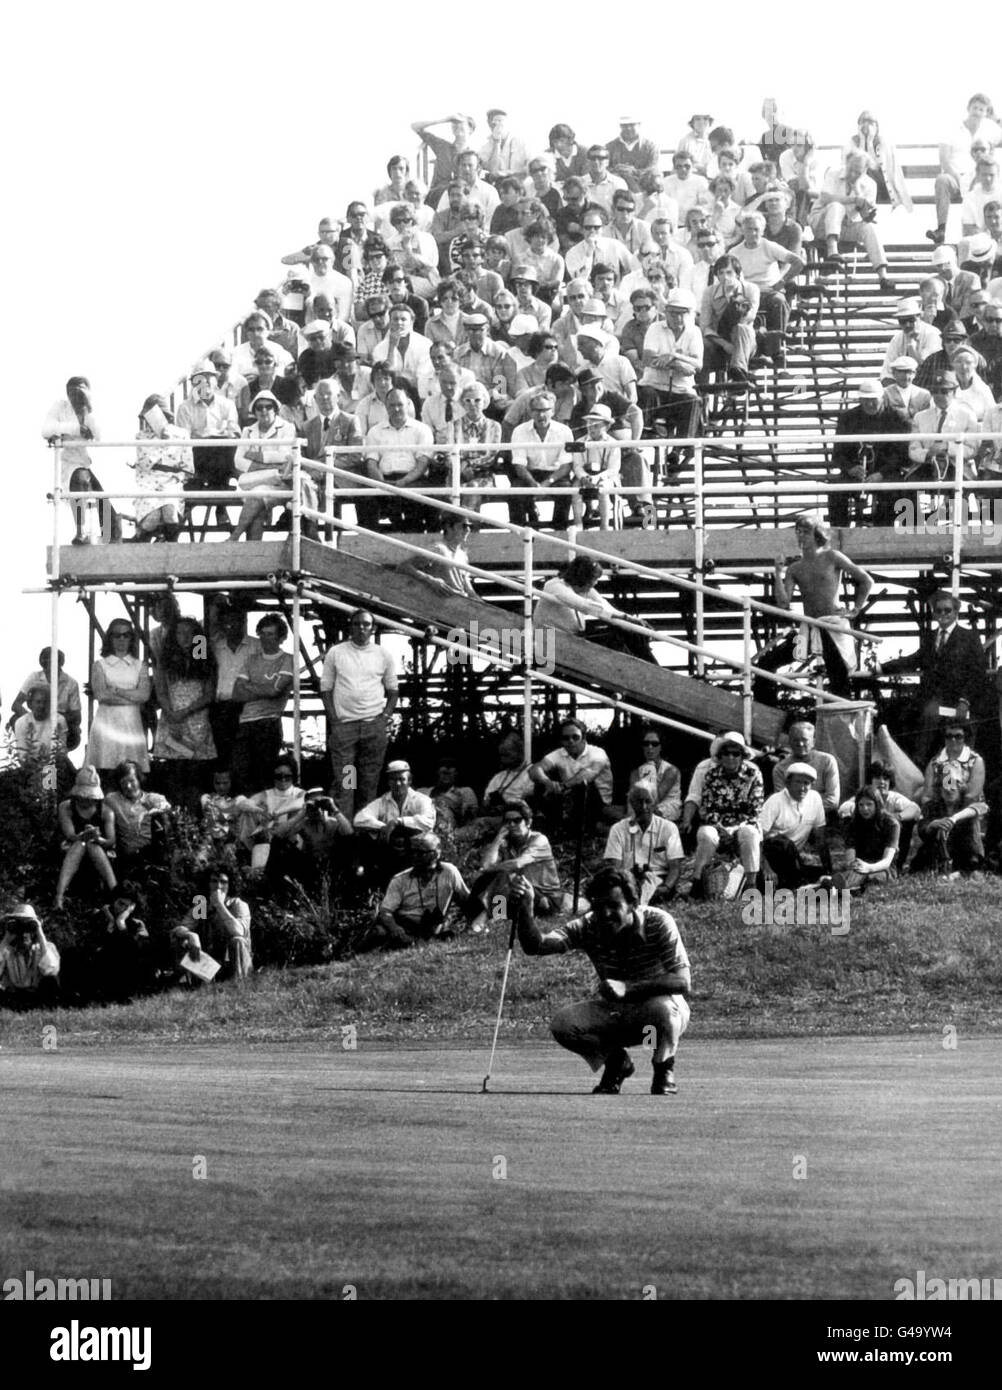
{"x": 918, "y": 955}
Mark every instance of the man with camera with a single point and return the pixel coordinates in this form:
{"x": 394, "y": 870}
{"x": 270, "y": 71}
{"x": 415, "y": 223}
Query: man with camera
{"x": 647, "y": 847}
{"x": 29, "y": 962}
{"x": 417, "y": 901}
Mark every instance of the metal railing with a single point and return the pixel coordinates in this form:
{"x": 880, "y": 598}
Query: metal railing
{"x": 352, "y": 485}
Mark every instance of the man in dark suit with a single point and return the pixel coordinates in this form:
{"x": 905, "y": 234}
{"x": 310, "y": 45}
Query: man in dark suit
{"x": 333, "y": 426}
{"x": 951, "y": 666}
{"x": 858, "y": 462}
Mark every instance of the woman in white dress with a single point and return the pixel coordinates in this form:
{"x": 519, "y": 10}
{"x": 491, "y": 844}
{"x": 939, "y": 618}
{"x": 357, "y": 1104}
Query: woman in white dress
{"x": 264, "y": 464}
{"x": 121, "y": 686}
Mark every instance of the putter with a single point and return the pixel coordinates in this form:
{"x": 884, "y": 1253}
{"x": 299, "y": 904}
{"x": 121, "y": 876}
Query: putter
{"x": 504, "y": 986}
{"x": 581, "y": 799}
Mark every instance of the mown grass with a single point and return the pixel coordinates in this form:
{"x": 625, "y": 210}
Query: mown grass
{"x": 916, "y": 953}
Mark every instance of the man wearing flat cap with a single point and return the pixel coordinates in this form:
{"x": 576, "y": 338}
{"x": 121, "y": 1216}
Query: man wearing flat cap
{"x": 901, "y": 395}
{"x": 860, "y": 463}
{"x": 630, "y": 156}
{"x": 789, "y": 821}
{"x": 207, "y": 414}
{"x": 391, "y": 822}
{"x": 932, "y": 459}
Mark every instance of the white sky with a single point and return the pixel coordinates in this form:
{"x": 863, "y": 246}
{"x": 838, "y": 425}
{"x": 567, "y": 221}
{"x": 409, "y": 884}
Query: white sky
{"x": 161, "y": 160}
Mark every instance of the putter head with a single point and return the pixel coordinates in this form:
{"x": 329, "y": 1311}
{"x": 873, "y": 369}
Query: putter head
{"x": 483, "y": 1088}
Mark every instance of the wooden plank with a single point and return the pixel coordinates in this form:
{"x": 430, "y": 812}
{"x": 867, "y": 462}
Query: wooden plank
{"x": 653, "y": 687}
{"x": 145, "y": 564}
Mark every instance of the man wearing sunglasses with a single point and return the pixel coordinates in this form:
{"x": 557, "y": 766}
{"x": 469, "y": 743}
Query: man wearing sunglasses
{"x": 951, "y": 666}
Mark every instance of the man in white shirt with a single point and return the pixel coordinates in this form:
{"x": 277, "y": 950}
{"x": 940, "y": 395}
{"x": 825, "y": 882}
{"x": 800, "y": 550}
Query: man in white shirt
{"x": 687, "y": 188}
{"x": 671, "y": 357}
{"x": 358, "y": 686}
{"x": 825, "y": 766}
{"x": 207, "y": 414}
{"x": 760, "y": 262}
{"x": 539, "y": 458}
{"x": 483, "y": 194}
{"x": 601, "y": 186}
{"x": 407, "y": 353}
{"x": 320, "y": 277}
{"x": 846, "y": 207}
{"x": 985, "y": 190}
{"x": 915, "y": 338}
{"x": 392, "y": 821}
{"x": 231, "y": 646}
{"x": 503, "y": 153}
{"x": 399, "y": 452}
{"x": 901, "y": 395}
{"x": 647, "y": 846}
{"x": 955, "y": 161}
{"x": 788, "y": 821}
{"x": 597, "y": 249}
{"x": 576, "y": 763}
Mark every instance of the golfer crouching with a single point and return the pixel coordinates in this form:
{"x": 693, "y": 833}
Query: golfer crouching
{"x": 643, "y": 974}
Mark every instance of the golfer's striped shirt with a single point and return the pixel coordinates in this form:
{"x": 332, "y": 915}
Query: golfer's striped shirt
{"x": 647, "y": 950}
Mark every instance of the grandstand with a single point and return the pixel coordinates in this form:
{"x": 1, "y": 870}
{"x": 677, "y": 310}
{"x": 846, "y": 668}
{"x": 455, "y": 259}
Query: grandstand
{"x": 702, "y": 577}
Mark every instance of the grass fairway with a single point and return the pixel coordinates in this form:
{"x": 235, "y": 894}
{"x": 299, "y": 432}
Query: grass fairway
{"x": 376, "y": 1168}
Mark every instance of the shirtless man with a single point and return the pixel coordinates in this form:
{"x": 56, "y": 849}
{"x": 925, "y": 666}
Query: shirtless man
{"x": 817, "y": 574}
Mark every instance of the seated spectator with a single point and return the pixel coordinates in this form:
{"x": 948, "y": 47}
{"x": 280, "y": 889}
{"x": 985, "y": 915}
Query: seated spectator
{"x": 869, "y": 462}
{"x": 724, "y": 212}
{"x": 846, "y": 209}
{"x": 988, "y": 341}
{"x": 476, "y": 190}
{"x": 354, "y": 240}
{"x": 826, "y": 766}
{"x": 477, "y": 467}
{"x": 388, "y": 824}
{"x": 662, "y": 777}
{"x": 505, "y": 218}
{"x": 448, "y": 223}
{"x": 332, "y": 427}
{"x": 952, "y": 806}
{"x": 760, "y": 262}
{"x": 320, "y": 357}
{"x": 257, "y": 333}
{"x": 67, "y": 695}
{"x": 955, "y": 341}
{"x": 570, "y": 599}
{"x": 220, "y": 814}
{"x": 727, "y": 318}
{"x": 646, "y": 847}
{"x": 120, "y": 684}
{"x": 160, "y": 468}
{"x": 801, "y": 169}
{"x": 262, "y": 685}
{"x": 686, "y": 186}
{"x": 320, "y": 277}
{"x": 539, "y": 459}
{"x": 220, "y": 924}
{"x": 284, "y": 331}
{"x": 270, "y": 821}
{"x": 185, "y": 687}
{"x": 524, "y": 283}
{"x": 351, "y": 381}
{"x": 210, "y": 413}
{"x": 71, "y": 422}
{"x": 451, "y": 548}
{"x": 405, "y": 351}
{"x": 399, "y": 452}
{"x": 541, "y": 183}
{"x": 972, "y": 390}
{"x": 789, "y": 821}
{"x": 652, "y": 198}
{"x": 933, "y": 458}
{"x": 597, "y": 347}
{"x": 328, "y": 230}
{"x": 29, "y": 962}
{"x": 398, "y": 171}
{"x": 511, "y": 783}
{"x": 323, "y": 831}
{"x": 417, "y": 901}
{"x": 880, "y": 161}
{"x": 446, "y": 152}
{"x": 780, "y": 227}
{"x": 547, "y": 263}
{"x": 516, "y": 849}
{"x": 984, "y": 190}
{"x": 263, "y": 464}
{"x": 36, "y": 742}
{"x": 628, "y": 228}
{"x": 597, "y": 248}
{"x": 88, "y": 833}
{"x": 455, "y": 806}
{"x": 569, "y": 218}
{"x": 915, "y": 338}
{"x": 729, "y": 806}
{"x": 446, "y": 323}
{"x": 901, "y": 396}
{"x": 140, "y": 822}
{"x": 371, "y": 275}
{"x": 596, "y": 470}
{"x": 871, "y": 835}
{"x": 956, "y": 162}
{"x": 576, "y": 763}
{"x": 905, "y": 811}
{"x": 124, "y": 956}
